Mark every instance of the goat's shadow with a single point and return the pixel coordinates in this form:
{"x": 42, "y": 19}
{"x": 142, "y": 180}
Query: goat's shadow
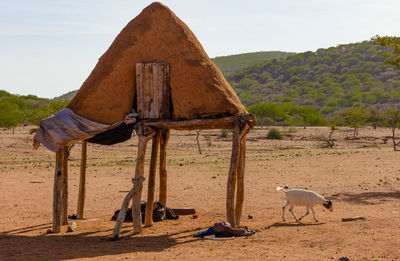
{"x": 296, "y": 224}
{"x": 17, "y": 246}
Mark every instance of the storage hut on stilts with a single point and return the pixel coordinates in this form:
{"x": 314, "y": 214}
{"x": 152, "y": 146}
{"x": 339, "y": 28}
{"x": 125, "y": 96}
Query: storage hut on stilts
{"x": 153, "y": 78}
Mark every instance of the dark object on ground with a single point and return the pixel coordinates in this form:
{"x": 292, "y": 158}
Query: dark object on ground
{"x": 250, "y": 216}
{"x": 73, "y": 216}
{"x": 184, "y": 211}
{"x": 353, "y": 218}
{"x": 224, "y": 229}
{"x": 194, "y": 216}
{"x": 344, "y": 258}
{"x": 158, "y": 213}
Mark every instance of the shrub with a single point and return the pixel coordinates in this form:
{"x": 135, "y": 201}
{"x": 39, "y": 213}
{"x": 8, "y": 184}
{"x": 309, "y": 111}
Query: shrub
{"x": 274, "y": 134}
{"x": 224, "y": 133}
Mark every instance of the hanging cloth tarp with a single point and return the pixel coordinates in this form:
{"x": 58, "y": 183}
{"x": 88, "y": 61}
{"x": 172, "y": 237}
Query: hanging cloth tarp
{"x": 113, "y": 136}
{"x": 66, "y": 127}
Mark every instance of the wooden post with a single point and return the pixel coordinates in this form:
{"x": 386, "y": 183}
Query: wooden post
{"x": 82, "y": 181}
{"x": 231, "y": 184}
{"x": 122, "y": 213}
{"x": 240, "y": 181}
{"x": 139, "y": 171}
{"x": 57, "y": 192}
{"x": 163, "y": 163}
{"x": 148, "y": 221}
{"x": 64, "y": 193}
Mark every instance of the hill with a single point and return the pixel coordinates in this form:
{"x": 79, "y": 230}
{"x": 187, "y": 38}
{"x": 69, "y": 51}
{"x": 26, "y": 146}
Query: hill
{"x": 30, "y": 109}
{"x": 66, "y": 96}
{"x": 350, "y": 75}
{"x": 230, "y": 63}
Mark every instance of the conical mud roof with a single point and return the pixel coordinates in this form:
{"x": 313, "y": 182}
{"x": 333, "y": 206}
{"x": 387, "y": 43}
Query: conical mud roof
{"x": 198, "y": 88}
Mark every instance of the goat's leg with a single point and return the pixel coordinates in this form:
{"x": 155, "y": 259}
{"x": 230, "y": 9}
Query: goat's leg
{"x": 291, "y": 211}
{"x": 307, "y": 211}
{"x": 313, "y": 213}
{"x": 283, "y": 210}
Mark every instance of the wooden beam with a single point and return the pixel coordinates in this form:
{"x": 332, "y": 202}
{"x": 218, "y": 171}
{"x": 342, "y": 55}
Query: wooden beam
{"x": 57, "y": 192}
{"x": 240, "y": 181}
{"x": 122, "y": 213}
{"x": 148, "y": 221}
{"x": 220, "y": 123}
{"x": 64, "y": 193}
{"x": 82, "y": 181}
{"x": 139, "y": 171}
{"x": 163, "y": 164}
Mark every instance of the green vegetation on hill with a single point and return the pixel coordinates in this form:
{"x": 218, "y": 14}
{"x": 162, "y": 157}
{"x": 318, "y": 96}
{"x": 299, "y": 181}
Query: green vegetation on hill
{"x": 230, "y": 63}
{"x": 331, "y": 80}
{"x": 17, "y": 110}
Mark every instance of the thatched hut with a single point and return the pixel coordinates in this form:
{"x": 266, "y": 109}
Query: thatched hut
{"x": 154, "y": 77}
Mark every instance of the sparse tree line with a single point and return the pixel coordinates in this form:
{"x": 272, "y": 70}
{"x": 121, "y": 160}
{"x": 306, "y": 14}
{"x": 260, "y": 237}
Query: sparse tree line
{"x": 286, "y": 114}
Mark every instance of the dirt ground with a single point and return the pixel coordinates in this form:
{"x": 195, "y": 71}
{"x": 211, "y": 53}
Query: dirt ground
{"x": 361, "y": 177}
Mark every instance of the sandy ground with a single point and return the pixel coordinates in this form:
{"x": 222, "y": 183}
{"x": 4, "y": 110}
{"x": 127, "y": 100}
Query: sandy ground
{"x": 361, "y": 177}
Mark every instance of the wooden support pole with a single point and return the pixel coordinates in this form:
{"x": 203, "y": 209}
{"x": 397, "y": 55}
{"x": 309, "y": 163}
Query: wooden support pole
{"x": 139, "y": 171}
{"x": 163, "y": 164}
{"x": 148, "y": 221}
{"x": 82, "y": 181}
{"x": 240, "y": 181}
{"x": 57, "y": 193}
{"x": 231, "y": 184}
{"x": 122, "y": 213}
{"x": 64, "y": 193}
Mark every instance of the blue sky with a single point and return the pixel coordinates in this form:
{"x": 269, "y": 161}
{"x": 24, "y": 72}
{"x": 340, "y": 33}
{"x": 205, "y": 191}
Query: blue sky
{"x": 49, "y": 47}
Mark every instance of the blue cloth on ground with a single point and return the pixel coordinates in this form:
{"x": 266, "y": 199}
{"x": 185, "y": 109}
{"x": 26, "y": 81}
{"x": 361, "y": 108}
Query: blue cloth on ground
{"x": 204, "y": 233}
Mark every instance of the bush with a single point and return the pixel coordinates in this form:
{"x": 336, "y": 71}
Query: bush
{"x": 274, "y": 134}
{"x": 224, "y": 133}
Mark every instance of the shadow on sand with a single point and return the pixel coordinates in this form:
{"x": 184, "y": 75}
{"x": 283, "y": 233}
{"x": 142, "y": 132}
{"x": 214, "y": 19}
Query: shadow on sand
{"x": 367, "y": 198}
{"x": 296, "y": 224}
{"x": 15, "y": 246}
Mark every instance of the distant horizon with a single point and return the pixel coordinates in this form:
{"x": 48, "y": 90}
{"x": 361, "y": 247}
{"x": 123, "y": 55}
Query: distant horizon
{"x": 49, "y": 48}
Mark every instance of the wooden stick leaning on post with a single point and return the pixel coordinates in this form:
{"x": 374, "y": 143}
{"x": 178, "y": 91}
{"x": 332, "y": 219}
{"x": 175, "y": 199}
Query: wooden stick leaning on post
{"x": 122, "y": 213}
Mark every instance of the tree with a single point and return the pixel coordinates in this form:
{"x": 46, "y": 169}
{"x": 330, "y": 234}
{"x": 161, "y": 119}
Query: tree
{"x": 393, "y": 120}
{"x": 355, "y": 118}
{"x": 393, "y": 51}
{"x": 375, "y": 118}
{"x": 270, "y": 111}
{"x": 10, "y": 115}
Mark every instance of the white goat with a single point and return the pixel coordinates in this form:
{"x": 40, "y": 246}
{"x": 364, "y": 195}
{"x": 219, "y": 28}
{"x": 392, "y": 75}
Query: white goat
{"x": 302, "y": 197}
